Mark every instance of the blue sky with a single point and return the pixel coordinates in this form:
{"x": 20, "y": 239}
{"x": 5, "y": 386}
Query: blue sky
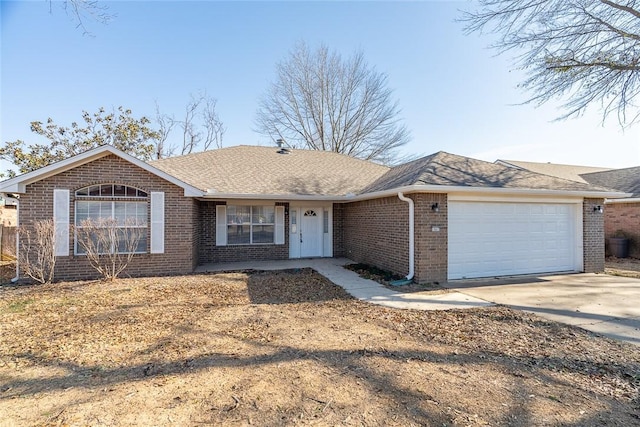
{"x": 455, "y": 94}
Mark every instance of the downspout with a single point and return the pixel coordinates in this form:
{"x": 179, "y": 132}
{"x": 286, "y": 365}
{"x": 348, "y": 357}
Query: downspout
{"x": 15, "y": 279}
{"x": 411, "y": 234}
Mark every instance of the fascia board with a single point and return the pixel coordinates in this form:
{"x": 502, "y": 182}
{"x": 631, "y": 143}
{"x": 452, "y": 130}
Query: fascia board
{"x": 624, "y": 200}
{"x": 416, "y": 189}
{"x": 19, "y": 183}
{"x": 243, "y": 196}
{"x": 450, "y": 189}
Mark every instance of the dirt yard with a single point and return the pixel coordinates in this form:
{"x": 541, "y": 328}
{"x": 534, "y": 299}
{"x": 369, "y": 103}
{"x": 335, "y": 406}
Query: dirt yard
{"x": 290, "y": 348}
{"x": 627, "y": 267}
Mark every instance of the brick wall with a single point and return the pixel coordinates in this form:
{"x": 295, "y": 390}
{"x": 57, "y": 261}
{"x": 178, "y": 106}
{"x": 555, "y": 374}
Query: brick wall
{"x": 376, "y": 233}
{"x": 431, "y": 256}
{"x": 624, "y": 217}
{"x": 338, "y": 230}
{"x": 593, "y": 236}
{"x": 37, "y": 203}
{"x": 208, "y": 252}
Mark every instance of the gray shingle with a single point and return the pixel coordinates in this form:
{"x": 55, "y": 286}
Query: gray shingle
{"x": 262, "y": 170}
{"x": 626, "y": 180}
{"x": 449, "y": 169}
{"x": 572, "y": 172}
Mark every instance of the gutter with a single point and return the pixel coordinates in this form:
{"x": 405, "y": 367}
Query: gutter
{"x": 628, "y": 200}
{"x": 411, "y": 235}
{"x": 419, "y": 188}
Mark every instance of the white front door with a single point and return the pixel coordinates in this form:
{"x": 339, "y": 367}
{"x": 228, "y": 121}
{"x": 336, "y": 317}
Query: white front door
{"x": 310, "y": 232}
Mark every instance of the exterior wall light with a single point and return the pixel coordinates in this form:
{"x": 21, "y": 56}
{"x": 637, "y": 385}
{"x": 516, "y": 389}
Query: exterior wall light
{"x": 435, "y": 207}
{"x": 598, "y": 209}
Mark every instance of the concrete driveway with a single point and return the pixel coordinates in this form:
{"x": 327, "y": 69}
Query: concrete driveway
{"x": 608, "y": 305}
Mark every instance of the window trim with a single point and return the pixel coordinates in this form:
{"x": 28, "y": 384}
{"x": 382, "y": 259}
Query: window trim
{"x": 113, "y": 199}
{"x": 112, "y": 195}
{"x": 251, "y": 224}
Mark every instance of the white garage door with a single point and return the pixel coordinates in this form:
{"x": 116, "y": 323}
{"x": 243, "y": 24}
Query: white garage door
{"x": 489, "y": 239}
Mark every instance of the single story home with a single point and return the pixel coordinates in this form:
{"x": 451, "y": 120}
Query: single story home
{"x": 441, "y": 217}
{"x": 621, "y": 214}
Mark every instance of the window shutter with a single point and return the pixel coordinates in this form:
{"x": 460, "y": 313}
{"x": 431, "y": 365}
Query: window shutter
{"x": 221, "y": 225}
{"x": 157, "y": 222}
{"x": 279, "y": 238}
{"x": 61, "y": 221}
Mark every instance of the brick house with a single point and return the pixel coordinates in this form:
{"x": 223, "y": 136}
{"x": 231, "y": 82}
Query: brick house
{"x": 621, "y": 214}
{"x": 438, "y": 218}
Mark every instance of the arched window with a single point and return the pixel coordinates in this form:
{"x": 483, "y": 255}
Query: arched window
{"x": 121, "y": 208}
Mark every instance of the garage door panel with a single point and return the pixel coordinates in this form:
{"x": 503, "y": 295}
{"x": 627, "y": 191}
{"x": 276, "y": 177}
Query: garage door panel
{"x": 497, "y": 239}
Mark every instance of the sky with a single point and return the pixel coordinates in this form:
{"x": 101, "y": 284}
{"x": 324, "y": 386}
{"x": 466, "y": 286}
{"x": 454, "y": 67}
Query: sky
{"x": 454, "y": 93}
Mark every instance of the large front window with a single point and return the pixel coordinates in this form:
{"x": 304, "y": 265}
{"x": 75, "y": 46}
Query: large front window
{"x": 121, "y": 209}
{"x": 248, "y": 225}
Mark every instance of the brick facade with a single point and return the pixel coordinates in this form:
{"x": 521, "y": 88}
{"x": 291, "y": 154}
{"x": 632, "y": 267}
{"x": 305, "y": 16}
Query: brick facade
{"x": 208, "y": 252}
{"x": 376, "y": 233}
{"x": 338, "y": 230}
{"x": 593, "y": 236}
{"x": 373, "y": 231}
{"x": 431, "y": 256}
{"x": 626, "y": 218}
{"x": 178, "y": 258}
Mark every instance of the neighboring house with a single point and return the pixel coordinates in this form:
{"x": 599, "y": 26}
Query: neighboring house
{"x": 8, "y": 211}
{"x": 438, "y": 218}
{"x": 621, "y": 214}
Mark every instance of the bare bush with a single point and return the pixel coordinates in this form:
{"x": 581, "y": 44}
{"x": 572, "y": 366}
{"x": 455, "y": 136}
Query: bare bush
{"x": 36, "y": 254}
{"x": 109, "y": 245}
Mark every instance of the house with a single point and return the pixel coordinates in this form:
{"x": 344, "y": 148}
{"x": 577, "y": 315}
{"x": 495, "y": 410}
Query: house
{"x": 621, "y": 214}
{"x": 442, "y": 217}
{"x": 8, "y": 211}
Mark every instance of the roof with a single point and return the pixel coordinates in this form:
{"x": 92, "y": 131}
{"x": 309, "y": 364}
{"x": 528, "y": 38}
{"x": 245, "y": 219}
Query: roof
{"x": 18, "y": 184}
{"x": 626, "y": 180}
{"x": 265, "y": 171}
{"x": 252, "y": 172}
{"x": 572, "y": 172}
{"x": 444, "y": 169}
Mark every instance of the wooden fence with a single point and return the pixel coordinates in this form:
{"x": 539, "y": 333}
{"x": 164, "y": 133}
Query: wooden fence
{"x": 8, "y": 242}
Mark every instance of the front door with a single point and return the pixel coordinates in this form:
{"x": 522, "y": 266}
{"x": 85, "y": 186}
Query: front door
{"x": 310, "y": 232}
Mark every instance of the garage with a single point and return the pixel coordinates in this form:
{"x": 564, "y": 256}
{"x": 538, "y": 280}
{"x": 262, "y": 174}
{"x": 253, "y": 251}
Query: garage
{"x": 488, "y": 239}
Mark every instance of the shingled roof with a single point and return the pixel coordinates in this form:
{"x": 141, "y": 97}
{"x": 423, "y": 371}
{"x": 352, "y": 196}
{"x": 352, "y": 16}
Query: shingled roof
{"x": 626, "y": 180}
{"x": 266, "y": 171}
{"x": 451, "y": 170}
{"x": 572, "y": 172}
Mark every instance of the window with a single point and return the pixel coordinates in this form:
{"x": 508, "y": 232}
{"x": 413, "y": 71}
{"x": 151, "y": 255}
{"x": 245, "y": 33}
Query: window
{"x": 112, "y": 204}
{"x": 248, "y": 225}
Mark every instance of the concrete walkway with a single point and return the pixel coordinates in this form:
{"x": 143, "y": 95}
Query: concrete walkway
{"x": 362, "y": 289}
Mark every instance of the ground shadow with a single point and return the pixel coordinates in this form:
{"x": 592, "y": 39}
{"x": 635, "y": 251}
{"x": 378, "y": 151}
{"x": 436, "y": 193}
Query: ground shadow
{"x": 299, "y": 285}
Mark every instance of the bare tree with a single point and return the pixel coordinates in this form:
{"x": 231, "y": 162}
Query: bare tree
{"x": 581, "y": 51}
{"x": 166, "y": 123}
{"x": 82, "y": 11}
{"x": 201, "y": 128}
{"x": 321, "y": 101}
{"x": 36, "y": 255}
{"x": 108, "y": 245}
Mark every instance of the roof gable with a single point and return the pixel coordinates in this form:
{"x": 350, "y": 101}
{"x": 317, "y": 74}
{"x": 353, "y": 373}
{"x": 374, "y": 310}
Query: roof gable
{"x": 18, "y": 184}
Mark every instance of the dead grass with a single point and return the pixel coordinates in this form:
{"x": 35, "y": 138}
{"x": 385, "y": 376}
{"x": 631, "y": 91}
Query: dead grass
{"x": 290, "y": 348}
{"x": 625, "y": 267}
